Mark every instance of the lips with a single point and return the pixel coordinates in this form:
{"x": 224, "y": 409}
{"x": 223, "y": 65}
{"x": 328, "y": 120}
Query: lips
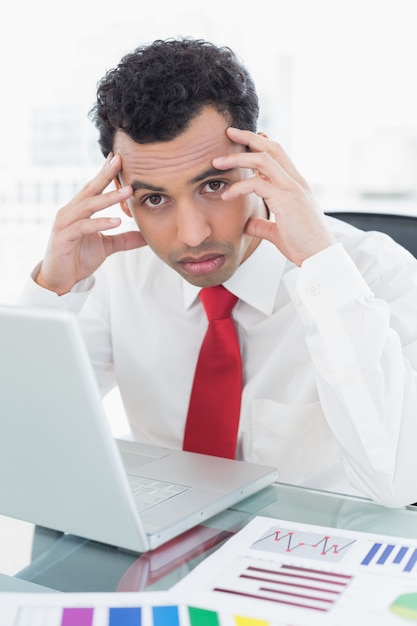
{"x": 203, "y": 265}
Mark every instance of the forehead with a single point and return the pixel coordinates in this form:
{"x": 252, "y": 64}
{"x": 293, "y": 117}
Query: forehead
{"x": 184, "y": 156}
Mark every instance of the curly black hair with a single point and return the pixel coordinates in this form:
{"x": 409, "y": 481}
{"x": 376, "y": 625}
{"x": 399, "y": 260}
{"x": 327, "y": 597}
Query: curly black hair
{"x": 156, "y": 90}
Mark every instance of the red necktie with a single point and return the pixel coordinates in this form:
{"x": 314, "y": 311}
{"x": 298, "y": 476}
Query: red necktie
{"x": 214, "y": 410}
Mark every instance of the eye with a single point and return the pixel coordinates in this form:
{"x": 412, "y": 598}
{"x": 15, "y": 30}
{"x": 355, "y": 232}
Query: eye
{"x": 154, "y": 201}
{"x": 213, "y": 186}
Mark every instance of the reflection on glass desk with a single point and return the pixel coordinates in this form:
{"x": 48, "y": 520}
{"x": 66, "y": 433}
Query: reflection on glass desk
{"x": 68, "y": 563}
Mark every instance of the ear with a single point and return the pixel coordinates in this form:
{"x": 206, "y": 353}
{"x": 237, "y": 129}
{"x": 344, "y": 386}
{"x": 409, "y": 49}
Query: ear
{"x": 123, "y": 205}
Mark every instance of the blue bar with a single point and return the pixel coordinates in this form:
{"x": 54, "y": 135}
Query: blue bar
{"x": 372, "y": 552}
{"x": 125, "y": 616}
{"x": 411, "y": 562}
{"x": 401, "y": 554}
{"x": 385, "y": 554}
{"x": 165, "y": 616}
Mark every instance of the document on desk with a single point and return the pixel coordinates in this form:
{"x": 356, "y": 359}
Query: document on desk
{"x": 157, "y": 608}
{"x": 271, "y": 573}
{"x": 281, "y": 572}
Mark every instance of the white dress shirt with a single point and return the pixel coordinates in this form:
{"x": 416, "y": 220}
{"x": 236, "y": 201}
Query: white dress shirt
{"x": 329, "y": 355}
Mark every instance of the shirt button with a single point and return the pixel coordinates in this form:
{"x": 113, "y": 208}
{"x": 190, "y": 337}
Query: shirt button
{"x": 313, "y": 289}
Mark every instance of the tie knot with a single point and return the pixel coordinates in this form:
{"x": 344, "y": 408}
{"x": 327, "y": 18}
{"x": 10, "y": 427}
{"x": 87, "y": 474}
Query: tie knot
{"x": 218, "y": 302}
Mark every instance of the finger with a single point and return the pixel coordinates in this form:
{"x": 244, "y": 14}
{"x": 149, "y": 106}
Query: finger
{"x": 103, "y": 178}
{"x": 123, "y": 241}
{"x": 97, "y": 185}
{"x": 255, "y": 184}
{"x": 264, "y": 166}
{"x": 259, "y": 142}
{"x": 84, "y": 227}
{"x": 79, "y": 208}
{"x": 261, "y": 228}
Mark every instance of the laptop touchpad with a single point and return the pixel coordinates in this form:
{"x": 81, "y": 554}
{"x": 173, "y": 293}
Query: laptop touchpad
{"x": 134, "y": 461}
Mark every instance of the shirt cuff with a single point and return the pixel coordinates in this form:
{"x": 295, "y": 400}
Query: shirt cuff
{"x": 35, "y": 295}
{"x": 326, "y": 281}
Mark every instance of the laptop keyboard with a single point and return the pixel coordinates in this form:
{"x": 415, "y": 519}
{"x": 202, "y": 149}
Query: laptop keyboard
{"x": 149, "y": 492}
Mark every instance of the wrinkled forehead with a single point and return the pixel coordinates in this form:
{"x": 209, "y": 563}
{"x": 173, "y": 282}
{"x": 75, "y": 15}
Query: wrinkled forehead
{"x": 191, "y": 151}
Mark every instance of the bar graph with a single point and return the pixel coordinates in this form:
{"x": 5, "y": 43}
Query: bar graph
{"x": 390, "y": 555}
{"x": 286, "y": 585}
{"x": 158, "y": 615}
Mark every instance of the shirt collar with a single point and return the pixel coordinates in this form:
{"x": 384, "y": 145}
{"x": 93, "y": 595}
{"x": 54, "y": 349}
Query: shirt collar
{"x": 255, "y": 281}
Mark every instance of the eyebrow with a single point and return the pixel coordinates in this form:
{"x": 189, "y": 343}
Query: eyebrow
{"x": 212, "y": 171}
{"x": 139, "y": 184}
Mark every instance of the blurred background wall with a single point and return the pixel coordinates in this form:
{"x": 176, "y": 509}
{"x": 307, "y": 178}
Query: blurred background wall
{"x": 336, "y": 79}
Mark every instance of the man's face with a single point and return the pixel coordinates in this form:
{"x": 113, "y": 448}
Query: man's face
{"x": 177, "y": 201}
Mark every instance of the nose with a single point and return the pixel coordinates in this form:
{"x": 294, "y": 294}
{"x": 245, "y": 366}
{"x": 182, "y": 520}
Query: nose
{"x": 192, "y": 224}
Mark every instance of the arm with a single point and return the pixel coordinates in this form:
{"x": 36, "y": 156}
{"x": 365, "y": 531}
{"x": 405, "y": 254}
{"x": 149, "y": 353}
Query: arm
{"x": 77, "y": 248}
{"x": 361, "y": 335}
{"x": 361, "y": 331}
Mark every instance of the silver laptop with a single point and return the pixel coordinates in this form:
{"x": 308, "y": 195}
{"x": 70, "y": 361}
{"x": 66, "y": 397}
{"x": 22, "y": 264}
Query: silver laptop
{"x": 60, "y": 465}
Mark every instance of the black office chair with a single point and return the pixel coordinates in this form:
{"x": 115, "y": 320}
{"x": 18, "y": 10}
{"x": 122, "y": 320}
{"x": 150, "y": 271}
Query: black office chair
{"x": 402, "y": 228}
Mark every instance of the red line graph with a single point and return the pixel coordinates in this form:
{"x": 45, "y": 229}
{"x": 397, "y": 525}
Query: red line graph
{"x": 305, "y": 544}
{"x": 294, "y": 584}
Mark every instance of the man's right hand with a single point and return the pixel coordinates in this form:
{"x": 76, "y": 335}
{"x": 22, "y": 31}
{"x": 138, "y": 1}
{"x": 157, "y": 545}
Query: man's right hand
{"x": 77, "y": 245}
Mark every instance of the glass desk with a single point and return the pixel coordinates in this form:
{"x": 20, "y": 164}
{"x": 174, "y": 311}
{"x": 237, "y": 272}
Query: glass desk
{"x": 68, "y": 563}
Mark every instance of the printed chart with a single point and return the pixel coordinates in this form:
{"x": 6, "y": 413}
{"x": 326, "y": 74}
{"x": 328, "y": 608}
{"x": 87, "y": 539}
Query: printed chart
{"x": 389, "y": 555}
{"x": 304, "y": 544}
{"x": 95, "y": 616}
{"x": 287, "y": 585}
{"x": 291, "y": 584}
{"x": 405, "y": 606}
{"x": 271, "y": 573}
{"x": 111, "y": 609}
{"x": 311, "y": 575}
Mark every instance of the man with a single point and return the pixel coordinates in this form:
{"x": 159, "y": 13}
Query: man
{"x": 326, "y": 314}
